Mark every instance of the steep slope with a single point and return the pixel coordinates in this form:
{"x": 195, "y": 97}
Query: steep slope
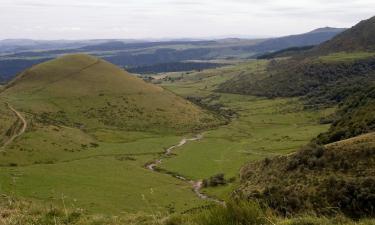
{"x": 324, "y": 179}
{"x": 86, "y": 92}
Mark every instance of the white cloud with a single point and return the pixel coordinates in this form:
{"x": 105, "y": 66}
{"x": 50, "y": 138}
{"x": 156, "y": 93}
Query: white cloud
{"x": 174, "y": 18}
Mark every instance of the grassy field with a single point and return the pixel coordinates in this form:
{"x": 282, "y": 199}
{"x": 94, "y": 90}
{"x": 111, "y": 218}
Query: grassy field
{"x": 101, "y": 185}
{"x": 281, "y": 123}
{"x": 206, "y": 82}
{"x": 102, "y": 172}
{"x": 262, "y": 127}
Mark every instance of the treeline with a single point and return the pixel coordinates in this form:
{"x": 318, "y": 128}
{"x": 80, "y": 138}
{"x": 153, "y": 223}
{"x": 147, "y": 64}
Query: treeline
{"x": 318, "y": 79}
{"x": 355, "y": 116}
{"x": 174, "y": 67}
{"x": 162, "y": 55}
{"x": 285, "y": 52}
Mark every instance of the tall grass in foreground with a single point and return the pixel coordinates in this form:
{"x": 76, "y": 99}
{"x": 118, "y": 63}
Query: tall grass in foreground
{"x": 234, "y": 213}
{"x": 250, "y": 213}
{"x": 16, "y": 212}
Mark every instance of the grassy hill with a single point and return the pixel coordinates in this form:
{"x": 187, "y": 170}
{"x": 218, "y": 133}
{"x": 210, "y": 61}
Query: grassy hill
{"x": 91, "y": 128}
{"x": 321, "y": 179}
{"x": 84, "y": 91}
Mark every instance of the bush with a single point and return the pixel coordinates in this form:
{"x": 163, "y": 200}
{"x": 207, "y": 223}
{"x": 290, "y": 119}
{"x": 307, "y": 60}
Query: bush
{"x": 216, "y": 180}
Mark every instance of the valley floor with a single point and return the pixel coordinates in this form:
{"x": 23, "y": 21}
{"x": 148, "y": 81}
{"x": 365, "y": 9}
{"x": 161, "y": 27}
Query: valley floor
{"x": 104, "y": 172}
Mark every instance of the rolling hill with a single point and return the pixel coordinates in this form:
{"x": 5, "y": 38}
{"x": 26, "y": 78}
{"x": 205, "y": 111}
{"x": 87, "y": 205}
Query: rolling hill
{"x": 80, "y": 127}
{"x": 84, "y": 91}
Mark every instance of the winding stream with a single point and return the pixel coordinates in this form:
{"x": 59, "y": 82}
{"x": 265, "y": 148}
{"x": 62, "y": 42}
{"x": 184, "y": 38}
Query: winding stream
{"x": 196, "y": 185}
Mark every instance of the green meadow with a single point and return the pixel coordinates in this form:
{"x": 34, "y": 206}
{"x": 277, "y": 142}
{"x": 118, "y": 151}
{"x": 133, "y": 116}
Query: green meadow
{"x": 102, "y": 172}
{"x": 281, "y": 123}
{"x": 261, "y": 128}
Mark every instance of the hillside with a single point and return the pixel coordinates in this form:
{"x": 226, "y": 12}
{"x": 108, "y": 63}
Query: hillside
{"x": 354, "y": 117}
{"x": 82, "y": 129}
{"x": 324, "y": 77}
{"x": 322, "y": 179}
{"x": 84, "y": 91}
{"x": 333, "y": 174}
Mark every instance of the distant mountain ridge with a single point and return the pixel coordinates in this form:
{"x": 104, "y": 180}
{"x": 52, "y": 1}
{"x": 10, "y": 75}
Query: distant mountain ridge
{"x": 313, "y": 37}
{"x": 136, "y": 53}
{"x": 327, "y": 29}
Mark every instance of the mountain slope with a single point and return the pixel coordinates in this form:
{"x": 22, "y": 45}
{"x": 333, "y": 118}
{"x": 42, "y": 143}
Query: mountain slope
{"x": 84, "y": 91}
{"x": 361, "y": 37}
{"x": 323, "y": 72}
{"x": 337, "y": 177}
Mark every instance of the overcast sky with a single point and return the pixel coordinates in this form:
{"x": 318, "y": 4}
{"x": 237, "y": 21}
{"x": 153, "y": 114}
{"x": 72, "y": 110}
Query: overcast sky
{"x": 91, "y": 19}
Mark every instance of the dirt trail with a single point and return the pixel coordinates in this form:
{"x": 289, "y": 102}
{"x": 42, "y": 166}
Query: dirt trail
{"x": 196, "y": 185}
{"x": 21, "y": 131}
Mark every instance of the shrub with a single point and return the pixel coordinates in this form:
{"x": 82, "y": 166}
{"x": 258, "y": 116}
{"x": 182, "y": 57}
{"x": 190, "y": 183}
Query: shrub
{"x": 236, "y": 212}
{"x": 215, "y": 180}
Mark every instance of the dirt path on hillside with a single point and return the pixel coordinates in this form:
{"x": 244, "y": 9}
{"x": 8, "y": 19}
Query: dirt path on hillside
{"x": 21, "y": 131}
{"x": 196, "y": 185}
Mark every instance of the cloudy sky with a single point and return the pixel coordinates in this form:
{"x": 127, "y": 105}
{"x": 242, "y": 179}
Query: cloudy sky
{"x": 83, "y": 19}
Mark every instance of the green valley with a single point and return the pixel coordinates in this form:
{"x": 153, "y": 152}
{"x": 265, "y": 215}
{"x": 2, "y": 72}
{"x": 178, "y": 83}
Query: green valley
{"x": 284, "y": 139}
{"x": 281, "y": 123}
{"x": 77, "y": 155}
